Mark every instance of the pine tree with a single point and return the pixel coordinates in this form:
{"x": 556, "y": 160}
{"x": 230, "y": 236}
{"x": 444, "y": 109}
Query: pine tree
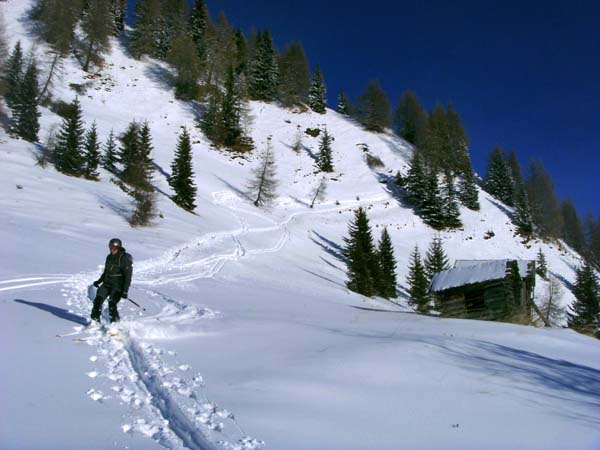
{"x": 129, "y": 152}
{"x": 498, "y": 181}
{"x": 522, "y": 216}
{"x": 545, "y": 211}
{"x": 418, "y": 284}
{"x": 91, "y": 153}
{"x": 264, "y": 184}
{"x": 231, "y": 112}
{"x": 68, "y": 152}
{"x": 572, "y": 229}
{"x": 541, "y": 267}
{"x": 361, "y": 258}
{"x": 584, "y": 313}
{"x": 294, "y": 71}
{"x": 436, "y": 260}
{"x": 110, "y": 157}
{"x": 264, "y": 71}
{"x": 432, "y": 206}
{"x": 118, "y": 11}
{"x": 410, "y": 118}
{"x": 198, "y": 27}
{"x": 317, "y": 95}
{"x": 450, "y": 208}
{"x": 416, "y": 180}
{"x": 172, "y": 23}
{"x": 343, "y": 104}
{"x": 147, "y": 26}
{"x": 324, "y": 158}
{"x": 184, "y": 59}
{"x": 26, "y": 113}
{"x": 144, "y": 165}
{"x": 210, "y": 122}
{"x": 515, "y": 168}
{"x": 319, "y": 192}
{"x": 13, "y": 74}
{"x": 387, "y": 267}
{"x": 98, "y": 25}
{"x": 182, "y": 175}
{"x": 468, "y": 192}
{"x": 373, "y": 108}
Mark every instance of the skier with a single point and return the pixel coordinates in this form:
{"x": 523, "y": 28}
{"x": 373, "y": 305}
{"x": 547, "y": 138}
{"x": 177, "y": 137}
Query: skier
{"x": 114, "y": 282}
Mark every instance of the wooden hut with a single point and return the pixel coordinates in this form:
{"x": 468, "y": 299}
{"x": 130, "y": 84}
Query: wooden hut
{"x": 485, "y": 289}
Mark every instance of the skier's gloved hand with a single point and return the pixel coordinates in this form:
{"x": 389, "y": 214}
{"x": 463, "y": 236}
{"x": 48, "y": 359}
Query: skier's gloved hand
{"x": 96, "y": 283}
{"x": 124, "y": 295}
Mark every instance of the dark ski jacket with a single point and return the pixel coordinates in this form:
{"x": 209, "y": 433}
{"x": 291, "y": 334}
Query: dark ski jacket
{"x": 117, "y": 271}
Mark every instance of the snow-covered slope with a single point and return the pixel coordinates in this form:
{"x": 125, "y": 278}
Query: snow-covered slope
{"x": 249, "y": 330}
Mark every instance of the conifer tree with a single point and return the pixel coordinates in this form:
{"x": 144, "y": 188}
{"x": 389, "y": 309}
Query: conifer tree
{"x": 98, "y": 24}
{"x": 436, "y": 260}
{"x": 172, "y": 23}
{"x": 182, "y": 175}
{"x": 222, "y": 50}
{"x": 144, "y": 165}
{"x": 584, "y": 313}
{"x": 231, "y": 112}
{"x": 324, "y": 159}
{"x": 264, "y": 184}
{"x": 129, "y": 151}
{"x": 118, "y": 11}
{"x": 432, "y": 206}
{"x": 418, "y": 284}
{"x": 410, "y": 118}
{"x": 184, "y": 59}
{"x": 317, "y": 95}
{"x": 110, "y": 157}
{"x": 498, "y": 181}
{"x": 541, "y": 267}
{"x": 58, "y": 19}
{"x": 198, "y": 28}
{"x": 522, "y": 216}
{"x": 25, "y": 108}
{"x": 361, "y": 258}
{"x": 13, "y": 74}
{"x": 458, "y": 143}
{"x": 294, "y": 73}
{"x": 515, "y": 168}
{"x": 264, "y": 71}
{"x": 91, "y": 153}
{"x": 68, "y": 151}
{"x": 241, "y": 60}
{"x": 435, "y": 144}
{"x": 210, "y": 122}
{"x": 415, "y": 182}
{"x": 373, "y": 108}
{"x": 468, "y": 192}
{"x": 147, "y": 27}
{"x": 319, "y": 192}
{"x": 450, "y": 208}
{"x": 545, "y": 211}
{"x": 572, "y": 229}
{"x": 387, "y": 267}
{"x": 343, "y": 104}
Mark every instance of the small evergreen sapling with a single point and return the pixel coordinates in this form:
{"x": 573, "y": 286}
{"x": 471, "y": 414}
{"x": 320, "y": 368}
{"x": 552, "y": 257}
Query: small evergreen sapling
{"x": 418, "y": 284}
{"x": 182, "y": 175}
{"x": 387, "y": 267}
{"x": 324, "y": 159}
{"x": 91, "y": 153}
{"x": 436, "y": 260}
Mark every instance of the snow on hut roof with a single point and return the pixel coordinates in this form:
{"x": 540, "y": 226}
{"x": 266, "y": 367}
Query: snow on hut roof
{"x": 473, "y": 271}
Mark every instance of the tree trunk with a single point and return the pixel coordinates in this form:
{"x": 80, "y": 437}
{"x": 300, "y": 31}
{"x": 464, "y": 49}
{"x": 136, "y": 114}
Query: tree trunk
{"x": 52, "y": 67}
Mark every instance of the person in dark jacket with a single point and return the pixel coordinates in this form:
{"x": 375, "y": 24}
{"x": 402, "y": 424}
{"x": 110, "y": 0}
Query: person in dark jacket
{"x": 114, "y": 282}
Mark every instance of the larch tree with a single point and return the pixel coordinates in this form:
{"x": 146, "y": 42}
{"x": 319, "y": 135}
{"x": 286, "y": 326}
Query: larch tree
{"x": 264, "y": 183}
{"x": 373, "y": 108}
{"x": 319, "y": 192}
{"x": 98, "y": 25}
{"x": 410, "y": 118}
{"x": 294, "y": 75}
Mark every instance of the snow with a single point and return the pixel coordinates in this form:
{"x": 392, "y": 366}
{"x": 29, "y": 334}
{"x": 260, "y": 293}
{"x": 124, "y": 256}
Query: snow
{"x": 473, "y": 271}
{"x": 250, "y": 338}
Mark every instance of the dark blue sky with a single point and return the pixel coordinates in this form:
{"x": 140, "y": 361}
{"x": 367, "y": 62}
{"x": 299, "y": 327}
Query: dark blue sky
{"x": 524, "y": 74}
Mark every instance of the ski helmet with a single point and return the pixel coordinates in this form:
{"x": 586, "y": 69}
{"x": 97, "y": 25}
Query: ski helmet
{"x": 115, "y": 242}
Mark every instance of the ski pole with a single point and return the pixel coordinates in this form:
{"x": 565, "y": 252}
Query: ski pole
{"x": 143, "y": 309}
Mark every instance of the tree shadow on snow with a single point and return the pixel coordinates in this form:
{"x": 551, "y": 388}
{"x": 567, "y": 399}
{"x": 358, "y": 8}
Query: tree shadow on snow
{"x": 329, "y": 246}
{"x": 55, "y": 311}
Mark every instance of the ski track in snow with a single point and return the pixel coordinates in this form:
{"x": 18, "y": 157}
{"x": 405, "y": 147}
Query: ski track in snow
{"x": 164, "y": 404}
